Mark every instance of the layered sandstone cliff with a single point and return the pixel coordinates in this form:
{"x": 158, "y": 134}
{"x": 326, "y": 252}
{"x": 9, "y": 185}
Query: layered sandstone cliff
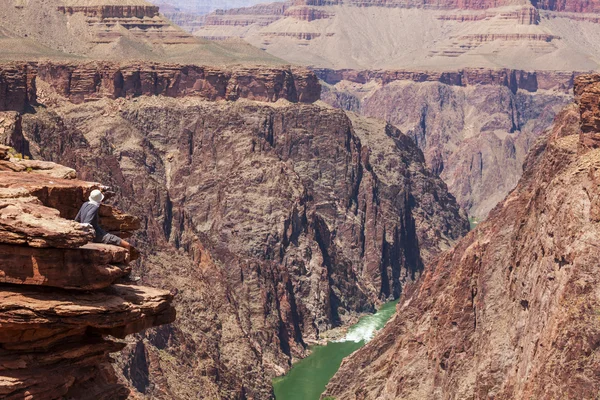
{"x": 59, "y": 301}
{"x": 512, "y": 311}
{"x": 418, "y": 35}
{"x": 73, "y": 30}
{"x": 274, "y": 222}
{"x": 85, "y": 82}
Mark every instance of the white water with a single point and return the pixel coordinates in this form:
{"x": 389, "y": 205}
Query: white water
{"x": 366, "y": 327}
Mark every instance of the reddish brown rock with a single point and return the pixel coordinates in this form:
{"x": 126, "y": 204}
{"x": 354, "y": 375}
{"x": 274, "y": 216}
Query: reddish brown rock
{"x": 306, "y": 13}
{"x": 34, "y": 205}
{"x": 17, "y": 87}
{"x": 56, "y": 298}
{"x": 587, "y": 93}
{"x": 26, "y": 221}
{"x": 511, "y": 311}
{"x": 86, "y": 82}
{"x": 51, "y": 341}
{"x": 92, "y": 266}
{"x": 275, "y": 222}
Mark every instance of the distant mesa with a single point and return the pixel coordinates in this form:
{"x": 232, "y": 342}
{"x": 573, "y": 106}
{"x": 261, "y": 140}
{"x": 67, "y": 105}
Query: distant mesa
{"x": 109, "y": 30}
{"x": 418, "y": 34}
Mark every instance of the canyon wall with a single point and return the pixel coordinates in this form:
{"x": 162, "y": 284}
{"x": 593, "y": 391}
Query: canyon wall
{"x": 17, "y": 87}
{"x": 511, "y": 311}
{"x": 62, "y": 298}
{"x": 85, "y": 82}
{"x": 272, "y": 222}
{"x": 530, "y": 81}
{"x": 591, "y": 6}
{"x": 474, "y": 126}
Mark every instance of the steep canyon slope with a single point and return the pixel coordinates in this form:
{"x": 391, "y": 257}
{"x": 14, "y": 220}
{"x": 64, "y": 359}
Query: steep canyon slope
{"x": 474, "y": 126}
{"x": 474, "y": 83}
{"x": 274, "y": 218}
{"x": 62, "y": 299}
{"x": 511, "y": 311}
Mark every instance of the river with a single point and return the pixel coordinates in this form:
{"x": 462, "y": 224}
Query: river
{"x": 308, "y": 377}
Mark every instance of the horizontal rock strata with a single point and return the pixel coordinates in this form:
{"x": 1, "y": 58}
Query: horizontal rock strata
{"x": 58, "y": 299}
{"x": 92, "y": 81}
{"x": 513, "y": 79}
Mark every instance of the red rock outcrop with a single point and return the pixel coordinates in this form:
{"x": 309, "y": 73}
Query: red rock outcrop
{"x": 307, "y": 13}
{"x": 587, "y": 94}
{"x": 511, "y": 311}
{"x": 93, "y": 81}
{"x": 17, "y": 87}
{"x": 58, "y": 300}
{"x": 83, "y": 82}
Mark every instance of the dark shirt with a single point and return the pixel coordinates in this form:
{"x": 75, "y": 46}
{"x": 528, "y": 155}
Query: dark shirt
{"x": 88, "y": 214}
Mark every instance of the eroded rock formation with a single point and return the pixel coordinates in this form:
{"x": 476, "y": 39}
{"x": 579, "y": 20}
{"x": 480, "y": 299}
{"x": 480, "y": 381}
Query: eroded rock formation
{"x": 59, "y": 299}
{"x": 92, "y": 81}
{"x": 73, "y": 30}
{"x": 283, "y": 220}
{"x": 474, "y": 126}
{"x": 512, "y": 310}
{"x": 418, "y": 34}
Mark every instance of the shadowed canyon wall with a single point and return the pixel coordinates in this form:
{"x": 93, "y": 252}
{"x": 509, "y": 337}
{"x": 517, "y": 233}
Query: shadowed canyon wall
{"x": 273, "y": 221}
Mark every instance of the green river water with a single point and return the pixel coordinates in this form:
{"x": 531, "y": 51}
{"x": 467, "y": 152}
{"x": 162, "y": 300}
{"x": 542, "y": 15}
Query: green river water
{"x": 308, "y": 377}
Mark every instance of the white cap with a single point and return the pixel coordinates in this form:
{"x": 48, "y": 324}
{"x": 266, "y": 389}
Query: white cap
{"x": 96, "y": 196}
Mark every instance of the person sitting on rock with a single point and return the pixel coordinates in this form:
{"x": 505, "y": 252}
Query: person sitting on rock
{"x": 88, "y": 215}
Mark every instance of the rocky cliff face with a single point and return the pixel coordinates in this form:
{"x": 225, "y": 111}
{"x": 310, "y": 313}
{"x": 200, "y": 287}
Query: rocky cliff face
{"x": 274, "y": 222}
{"x": 17, "y": 87}
{"x": 512, "y": 310}
{"x": 592, "y": 6}
{"x": 59, "y": 300}
{"x": 474, "y": 126}
{"x": 86, "y": 82}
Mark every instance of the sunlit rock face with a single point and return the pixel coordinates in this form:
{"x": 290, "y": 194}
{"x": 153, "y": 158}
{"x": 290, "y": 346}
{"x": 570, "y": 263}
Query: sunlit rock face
{"x": 502, "y": 311}
{"x": 59, "y": 297}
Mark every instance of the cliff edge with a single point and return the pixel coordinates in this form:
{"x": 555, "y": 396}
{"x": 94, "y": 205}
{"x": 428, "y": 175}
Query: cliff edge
{"x": 60, "y": 298}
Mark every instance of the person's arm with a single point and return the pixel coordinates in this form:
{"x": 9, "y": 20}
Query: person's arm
{"x": 95, "y": 223}
{"x": 78, "y": 217}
